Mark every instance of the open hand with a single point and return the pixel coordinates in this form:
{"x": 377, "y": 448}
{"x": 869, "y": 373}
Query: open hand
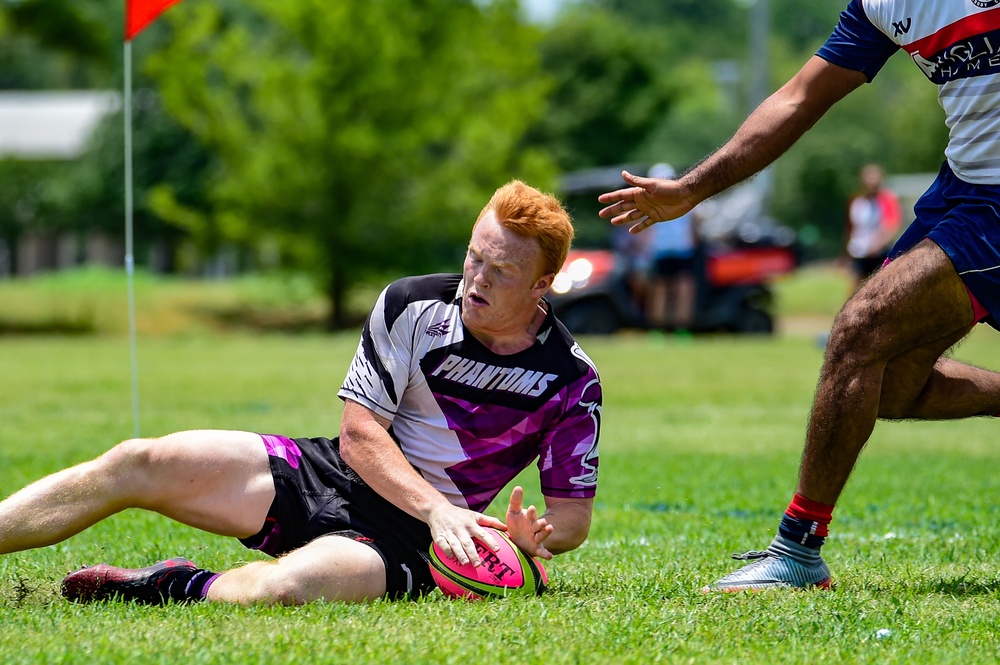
{"x": 526, "y": 528}
{"x": 648, "y": 201}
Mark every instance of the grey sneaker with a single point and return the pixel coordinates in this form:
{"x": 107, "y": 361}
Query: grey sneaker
{"x": 767, "y": 570}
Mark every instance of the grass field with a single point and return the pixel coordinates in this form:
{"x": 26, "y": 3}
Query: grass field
{"x": 699, "y": 452}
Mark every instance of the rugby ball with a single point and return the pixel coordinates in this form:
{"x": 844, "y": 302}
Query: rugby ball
{"x": 506, "y": 572}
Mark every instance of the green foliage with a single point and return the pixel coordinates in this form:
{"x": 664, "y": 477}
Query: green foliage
{"x": 25, "y": 195}
{"x": 361, "y": 138}
{"x": 364, "y": 138}
{"x": 607, "y": 97}
{"x": 699, "y": 452}
{"x": 56, "y": 44}
{"x": 90, "y": 196}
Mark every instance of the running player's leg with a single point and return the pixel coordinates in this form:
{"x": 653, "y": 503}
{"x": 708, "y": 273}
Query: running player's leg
{"x": 952, "y": 389}
{"x": 918, "y": 302}
{"x": 904, "y": 317}
{"x": 219, "y": 481}
{"x": 333, "y": 568}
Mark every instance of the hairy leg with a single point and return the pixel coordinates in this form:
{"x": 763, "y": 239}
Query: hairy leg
{"x": 331, "y": 568}
{"x": 912, "y": 311}
{"x": 951, "y": 389}
{"x": 218, "y": 481}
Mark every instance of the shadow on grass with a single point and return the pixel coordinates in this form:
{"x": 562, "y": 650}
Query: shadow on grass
{"x": 55, "y": 325}
{"x": 961, "y": 586}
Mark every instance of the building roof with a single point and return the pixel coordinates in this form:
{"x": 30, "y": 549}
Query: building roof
{"x": 51, "y": 124}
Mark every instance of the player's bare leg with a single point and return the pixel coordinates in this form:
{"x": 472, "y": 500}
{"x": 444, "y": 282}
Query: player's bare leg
{"x": 952, "y": 390}
{"x": 882, "y": 360}
{"x": 218, "y": 481}
{"x": 913, "y": 310}
{"x": 328, "y": 568}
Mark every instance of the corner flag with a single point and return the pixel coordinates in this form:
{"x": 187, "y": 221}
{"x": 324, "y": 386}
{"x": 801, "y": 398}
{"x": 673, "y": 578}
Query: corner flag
{"x": 140, "y": 13}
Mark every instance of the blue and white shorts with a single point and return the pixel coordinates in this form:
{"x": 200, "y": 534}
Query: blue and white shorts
{"x": 964, "y": 220}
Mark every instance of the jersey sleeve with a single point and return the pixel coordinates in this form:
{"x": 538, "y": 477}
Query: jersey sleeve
{"x": 569, "y": 455}
{"x": 380, "y": 371}
{"x": 857, "y": 43}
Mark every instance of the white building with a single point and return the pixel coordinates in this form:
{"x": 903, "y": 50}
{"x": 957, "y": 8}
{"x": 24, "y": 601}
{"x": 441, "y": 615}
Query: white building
{"x": 53, "y": 125}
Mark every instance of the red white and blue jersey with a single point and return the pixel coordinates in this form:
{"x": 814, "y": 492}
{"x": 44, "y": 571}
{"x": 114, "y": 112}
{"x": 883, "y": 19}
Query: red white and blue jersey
{"x": 469, "y": 420}
{"x": 956, "y": 44}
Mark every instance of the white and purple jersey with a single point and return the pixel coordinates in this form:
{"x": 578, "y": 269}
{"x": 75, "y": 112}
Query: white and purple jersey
{"x": 469, "y": 420}
{"x": 956, "y": 44}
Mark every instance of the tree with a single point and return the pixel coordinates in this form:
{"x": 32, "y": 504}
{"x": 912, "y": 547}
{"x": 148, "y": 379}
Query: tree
{"x": 611, "y": 90}
{"x": 362, "y": 137}
{"x": 54, "y": 44}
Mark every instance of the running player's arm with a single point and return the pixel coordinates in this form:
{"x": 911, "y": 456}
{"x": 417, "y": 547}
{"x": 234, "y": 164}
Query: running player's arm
{"x": 366, "y": 446}
{"x": 765, "y": 135}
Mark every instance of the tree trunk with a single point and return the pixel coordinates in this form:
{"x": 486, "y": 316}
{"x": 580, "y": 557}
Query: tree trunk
{"x": 336, "y": 291}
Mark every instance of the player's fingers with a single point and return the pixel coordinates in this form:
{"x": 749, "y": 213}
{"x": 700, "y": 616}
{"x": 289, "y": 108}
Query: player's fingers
{"x": 516, "y": 500}
{"x": 488, "y": 520}
{"x": 618, "y": 196}
{"x": 467, "y": 549}
{"x": 637, "y": 181}
{"x": 485, "y": 537}
{"x": 445, "y": 543}
{"x": 542, "y": 553}
{"x": 620, "y": 200}
{"x": 642, "y": 224}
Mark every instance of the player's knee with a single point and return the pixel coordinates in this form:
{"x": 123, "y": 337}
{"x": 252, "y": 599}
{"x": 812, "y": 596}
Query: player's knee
{"x": 128, "y": 457}
{"x": 277, "y": 586}
{"x": 134, "y": 464}
{"x": 856, "y": 333}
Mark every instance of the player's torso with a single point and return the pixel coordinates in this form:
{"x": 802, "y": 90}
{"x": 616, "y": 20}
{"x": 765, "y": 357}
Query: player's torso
{"x": 947, "y": 39}
{"x": 466, "y": 410}
{"x": 956, "y": 45}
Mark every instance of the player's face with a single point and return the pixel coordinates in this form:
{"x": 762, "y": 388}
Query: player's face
{"x": 502, "y": 280}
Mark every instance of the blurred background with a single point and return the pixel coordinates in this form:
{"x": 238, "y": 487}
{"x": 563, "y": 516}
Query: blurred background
{"x": 291, "y": 157}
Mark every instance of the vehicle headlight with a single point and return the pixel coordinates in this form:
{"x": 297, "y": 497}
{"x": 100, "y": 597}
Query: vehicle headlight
{"x": 575, "y": 276}
{"x": 580, "y": 271}
{"x": 562, "y": 283}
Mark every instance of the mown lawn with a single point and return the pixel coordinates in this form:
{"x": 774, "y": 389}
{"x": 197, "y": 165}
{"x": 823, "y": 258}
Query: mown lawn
{"x": 699, "y": 453}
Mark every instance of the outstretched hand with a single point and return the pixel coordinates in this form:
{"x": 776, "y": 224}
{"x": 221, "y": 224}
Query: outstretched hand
{"x": 646, "y": 202}
{"x": 526, "y": 528}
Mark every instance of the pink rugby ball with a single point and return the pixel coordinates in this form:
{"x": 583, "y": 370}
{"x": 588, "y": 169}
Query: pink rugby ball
{"x": 506, "y": 572}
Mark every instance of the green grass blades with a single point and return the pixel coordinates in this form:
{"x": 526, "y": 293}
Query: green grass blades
{"x": 698, "y": 459}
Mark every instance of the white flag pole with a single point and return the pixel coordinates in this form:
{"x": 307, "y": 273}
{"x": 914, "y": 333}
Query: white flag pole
{"x": 129, "y": 259}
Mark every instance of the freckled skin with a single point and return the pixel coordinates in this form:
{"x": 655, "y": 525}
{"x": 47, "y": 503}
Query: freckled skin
{"x": 502, "y": 287}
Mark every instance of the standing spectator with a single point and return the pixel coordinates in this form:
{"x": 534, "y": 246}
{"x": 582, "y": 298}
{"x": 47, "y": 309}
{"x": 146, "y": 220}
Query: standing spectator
{"x": 873, "y": 220}
{"x": 633, "y": 252}
{"x": 673, "y": 283}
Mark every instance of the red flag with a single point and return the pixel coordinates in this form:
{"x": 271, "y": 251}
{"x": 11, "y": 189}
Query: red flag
{"x": 140, "y": 13}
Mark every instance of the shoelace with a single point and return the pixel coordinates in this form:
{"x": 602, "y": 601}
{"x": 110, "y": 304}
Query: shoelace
{"x": 752, "y": 555}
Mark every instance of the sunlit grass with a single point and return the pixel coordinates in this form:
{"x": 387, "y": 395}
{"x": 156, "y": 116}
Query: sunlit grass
{"x": 699, "y": 454}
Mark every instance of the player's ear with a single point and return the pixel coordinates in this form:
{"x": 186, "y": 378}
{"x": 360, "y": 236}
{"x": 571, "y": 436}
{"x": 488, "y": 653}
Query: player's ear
{"x": 543, "y": 283}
